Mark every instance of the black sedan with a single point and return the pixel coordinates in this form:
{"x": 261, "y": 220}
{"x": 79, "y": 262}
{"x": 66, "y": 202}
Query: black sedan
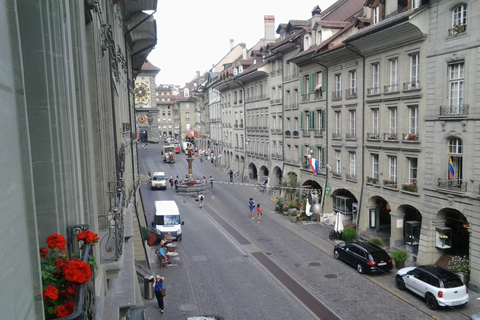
{"x": 365, "y": 256}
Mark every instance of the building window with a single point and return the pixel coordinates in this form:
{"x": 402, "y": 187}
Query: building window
{"x": 393, "y": 75}
{"x": 338, "y": 124}
{"x": 186, "y": 93}
{"x": 321, "y": 120}
{"x": 306, "y": 43}
{"x": 459, "y": 15}
{"x": 393, "y": 120}
{"x": 338, "y": 86}
{"x": 353, "y": 130}
{"x": 187, "y": 115}
{"x": 415, "y": 4}
{"x": 353, "y": 167}
{"x": 455, "y": 146}
{"x": 375, "y": 119}
{"x": 352, "y": 91}
{"x": 413, "y": 127}
{"x": 376, "y": 78}
{"x": 414, "y": 70}
{"x": 338, "y": 163}
{"x": 392, "y": 168}
{"x": 376, "y": 15}
{"x": 456, "y": 84}
{"x": 375, "y": 167}
{"x": 412, "y": 170}
{"x": 319, "y": 37}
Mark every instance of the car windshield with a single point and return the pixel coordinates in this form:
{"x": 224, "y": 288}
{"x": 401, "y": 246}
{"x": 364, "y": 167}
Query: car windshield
{"x": 158, "y": 178}
{"x": 167, "y": 220}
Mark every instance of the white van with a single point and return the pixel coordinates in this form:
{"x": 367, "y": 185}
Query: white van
{"x": 158, "y": 181}
{"x": 167, "y": 219}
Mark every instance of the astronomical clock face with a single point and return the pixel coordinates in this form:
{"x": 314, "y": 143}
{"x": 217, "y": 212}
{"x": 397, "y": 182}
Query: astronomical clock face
{"x": 142, "y": 92}
{"x": 142, "y": 119}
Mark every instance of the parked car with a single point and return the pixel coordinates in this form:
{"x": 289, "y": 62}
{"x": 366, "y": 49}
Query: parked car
{"x": 205, "y": 318}
{"x": 366, "y": 256}
{"x": 439, "y": 286}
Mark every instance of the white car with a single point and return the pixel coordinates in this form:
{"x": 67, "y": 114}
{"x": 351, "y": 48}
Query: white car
{"x": 439, "y": 286}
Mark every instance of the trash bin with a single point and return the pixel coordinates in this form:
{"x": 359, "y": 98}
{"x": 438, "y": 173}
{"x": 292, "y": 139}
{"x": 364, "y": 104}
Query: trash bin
{"x": 148, "y": 287}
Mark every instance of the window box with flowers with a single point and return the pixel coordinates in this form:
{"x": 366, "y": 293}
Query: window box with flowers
{"x": 411, "y": 137}
{"x": 410, "y": 187}
{"x": 295, "y": 133}
{"x": 443, "y": 237}
{"x": 64, "y": 275}
{"x": 457, "y": 28}
{"x": 287, "y": 133}
{"x": 390, "y": 184}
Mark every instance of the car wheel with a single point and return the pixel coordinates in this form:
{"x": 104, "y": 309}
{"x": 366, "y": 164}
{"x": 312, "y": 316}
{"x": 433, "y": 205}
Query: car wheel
{"x": 359, "y": 268}
{"x": 432, "y": 303}
{"x": 336, "y": 254}
{"x": 400, "y": 283}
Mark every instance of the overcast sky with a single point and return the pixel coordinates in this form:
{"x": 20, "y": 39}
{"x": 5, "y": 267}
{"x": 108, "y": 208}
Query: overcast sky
{"x": 193, "y": 35}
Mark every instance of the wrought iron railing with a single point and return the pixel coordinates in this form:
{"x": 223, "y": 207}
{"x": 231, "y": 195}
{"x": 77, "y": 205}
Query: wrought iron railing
{"x": 458, "y": 110}
{"x": 453, "y": 184}
{"x": 112, "y": 226}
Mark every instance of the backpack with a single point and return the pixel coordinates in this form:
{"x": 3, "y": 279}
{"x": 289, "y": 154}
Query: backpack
{"x": 201, "y": 197}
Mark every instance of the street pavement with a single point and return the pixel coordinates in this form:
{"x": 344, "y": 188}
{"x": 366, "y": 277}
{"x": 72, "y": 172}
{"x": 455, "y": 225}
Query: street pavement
{"x": 317, "y": 235}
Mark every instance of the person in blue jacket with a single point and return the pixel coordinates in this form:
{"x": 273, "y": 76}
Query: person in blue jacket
{"x": 251, "y": 205}
{"x": 158, "y": 285}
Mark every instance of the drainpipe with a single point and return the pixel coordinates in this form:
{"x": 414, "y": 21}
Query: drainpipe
{"x": 326, "y": 132}
{"x": 363, "y": 134}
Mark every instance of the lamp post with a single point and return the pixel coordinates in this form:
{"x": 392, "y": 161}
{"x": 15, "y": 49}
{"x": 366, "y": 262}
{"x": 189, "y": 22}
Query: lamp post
{"x": 190, "y": 160}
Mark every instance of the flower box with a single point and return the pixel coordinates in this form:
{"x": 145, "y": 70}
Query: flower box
{"x": 295, "y": 133}
{"x": 410, "y": 187}
{"x": 287, "y": 133}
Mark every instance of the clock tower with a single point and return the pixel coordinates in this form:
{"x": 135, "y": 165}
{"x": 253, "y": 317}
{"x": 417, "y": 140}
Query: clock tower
{"x": 146, "y": 110}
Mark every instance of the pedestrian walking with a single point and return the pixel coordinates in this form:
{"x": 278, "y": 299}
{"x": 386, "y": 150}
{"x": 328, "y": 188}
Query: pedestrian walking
{"x": 214, "y": 161}
{"x": 201, "y": 197}
{"x": 204, "y": 181}
{"x": 159, "y": 291}
{"x": 176, "y": 184}
{"x": 171, "y": 182}
{"x": 211, "y": 182}
{"x": 259, "y": 212}
{"x": 251, "y": 206}
{"x": 231, "y": 175}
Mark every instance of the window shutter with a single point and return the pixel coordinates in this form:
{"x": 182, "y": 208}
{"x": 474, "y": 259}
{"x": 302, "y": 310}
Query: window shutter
{"x": 324, "y": 81}
{"x": 311, "y": 83}
{"x": 322, "y": 151}
{"x": 301, "y": 121}
{"x": 311, "y": 125}
{"x": 301, "y": 85}
{"x": 323, "y": 119}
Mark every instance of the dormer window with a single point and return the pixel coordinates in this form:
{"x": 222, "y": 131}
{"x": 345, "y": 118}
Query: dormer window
{"x": 376, "y": 15}
{"x": 306, "y": 43}
{"x": 240, "y": 69}
{"x": 186, "y": 93}
{"x": 235, "y": 71}
{"x": 415, "y": 4}
{"x": 318, "y": 40}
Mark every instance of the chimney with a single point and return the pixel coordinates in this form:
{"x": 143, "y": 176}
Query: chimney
{"x": 244, "y": 53}
{"x": 269, "y": 28}
{"x": 231, "y": 44}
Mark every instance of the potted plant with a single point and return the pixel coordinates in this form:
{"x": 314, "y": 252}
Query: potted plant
{"x": 295, "y": 133}
{"x": 293, "y": 216}
{"x": 410, "y": 187}
{"x": 399, "y": 257}
{"x": 460, "y": 266}
{"x": 348, "y": 234}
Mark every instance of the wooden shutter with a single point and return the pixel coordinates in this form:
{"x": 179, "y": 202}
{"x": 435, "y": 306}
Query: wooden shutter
{"x": 324, "y": 81}
{"x": 301, "y": 120}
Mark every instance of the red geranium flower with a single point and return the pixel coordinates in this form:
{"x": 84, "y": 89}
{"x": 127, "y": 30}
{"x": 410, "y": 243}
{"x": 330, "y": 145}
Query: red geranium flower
{"x": 88, "y": 237}
{"x": 78, "y": 271}
{"x": 61, "y": 264}
{"x": 56, "y": 241}
{"x": 65, "y": 309}
{"x": 50, "y": 293}
{"x": 43, "y": 252}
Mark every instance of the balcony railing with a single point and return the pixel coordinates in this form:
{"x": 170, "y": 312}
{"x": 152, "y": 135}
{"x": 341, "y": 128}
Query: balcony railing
{"x": 458, "y": 110}
{"x": 372, "y": 180}
{"x": 390, "y": 136}
{"x": 337, "y": 174}
{"x": 373, "y": 136}
{"x": 318, "y": 133}
{"x": 456, "y": 29}
{"x": 351, "y": 136}
{"x": 414, "y": 85}
{"x": 111, "y": 226}
{"x": 410, "y": 137}
{"x": 336, "y": 95}
{"x": 373, "y": 91}
{"x": 295, "y": 106}
{"x": 454, "y": 184}
{"x": 391, "y": 88}
{"x": 337, "y": 135}
{"x": 351, "y": 93}
{"x": 318, "y": 95}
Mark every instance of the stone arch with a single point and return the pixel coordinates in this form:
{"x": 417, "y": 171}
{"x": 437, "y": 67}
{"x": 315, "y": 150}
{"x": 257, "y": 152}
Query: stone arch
{"x": 252, "y": 171}
{"x": 454, "y": 222}
{"x": 412, "y": 222}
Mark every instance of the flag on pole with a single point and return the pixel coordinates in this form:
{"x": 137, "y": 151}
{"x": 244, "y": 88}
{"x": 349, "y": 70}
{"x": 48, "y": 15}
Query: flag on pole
{"x": 314, "y": 165}
{"x": 451, "y": 171}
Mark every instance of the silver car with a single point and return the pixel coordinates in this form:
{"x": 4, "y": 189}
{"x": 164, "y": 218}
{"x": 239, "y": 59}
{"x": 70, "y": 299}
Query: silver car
{"x": 439, "y": 286}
